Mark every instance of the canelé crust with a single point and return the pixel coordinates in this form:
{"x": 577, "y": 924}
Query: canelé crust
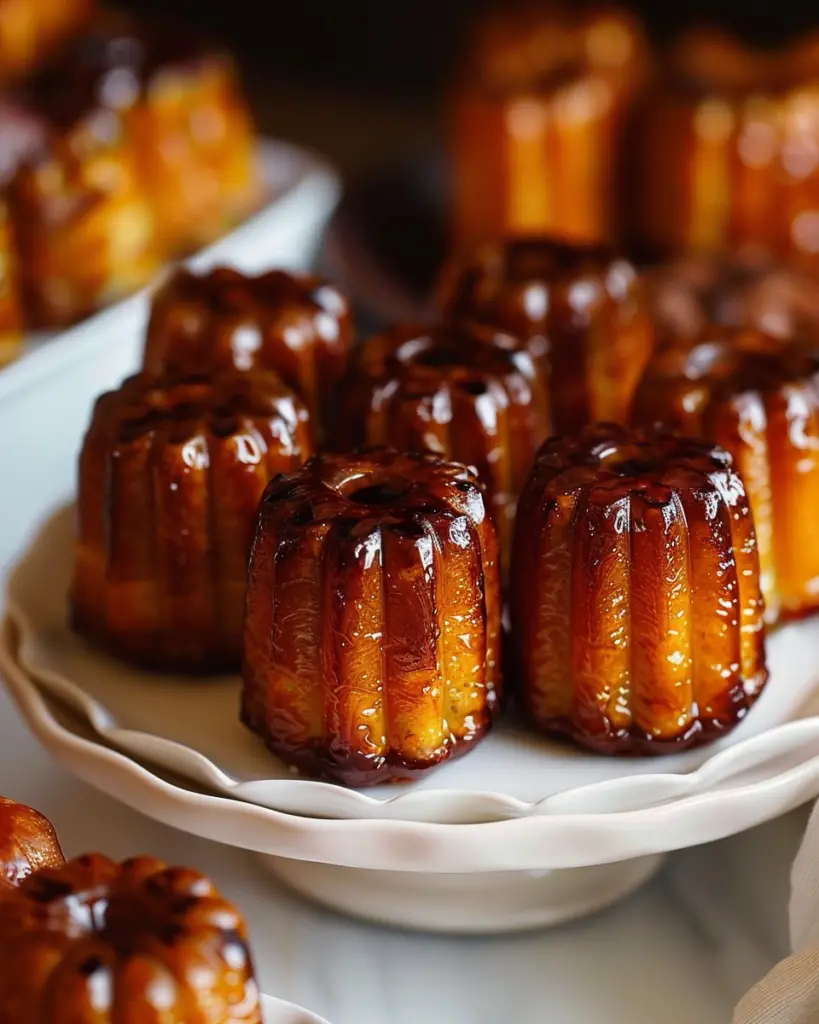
{"x": 463, "y": 391}
{"x": 372, "y": 638}
{"x": 297, "y": 325}
{"x": 170, "y": 479}
{"x": 28, "y": 842}
{"x": 580, "y": 310}
{"x": 637, "y": 612}
{"x": 97, "y": 942}
{"x": 758, "y": 397}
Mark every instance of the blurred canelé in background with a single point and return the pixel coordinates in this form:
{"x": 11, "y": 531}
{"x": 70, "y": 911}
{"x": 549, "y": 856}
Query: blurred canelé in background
{"x": 31, "y": 30}
{"x": 538, "y": 118}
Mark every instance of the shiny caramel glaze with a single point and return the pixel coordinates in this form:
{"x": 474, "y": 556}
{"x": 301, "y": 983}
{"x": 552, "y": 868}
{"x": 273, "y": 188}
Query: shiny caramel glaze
{"x": 758, "y": 397}
{"x": 11, "y": 315}
{"x": 183, "y": 115}
{"x": 581, "y": 310}
{"x": 538, "y": 118}
{"x": 688, "y": 294}
{"x": 28, "y": 842}
{"x": 295, "y": 324}
{"x": 372, "y": 637}
{"x": 170, "y": 479}
{"x": 465, "y": 392}
{"x": 94, "y": 942}
{"x": 727, "y": 150}
{"x": 30, "y": 30}
{"x": 636, "y": 606}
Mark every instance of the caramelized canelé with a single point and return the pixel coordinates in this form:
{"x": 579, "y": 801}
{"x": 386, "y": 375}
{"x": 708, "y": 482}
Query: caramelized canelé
{"x": 373, "y": 616}
{"x": 727, "y": 150}
{"x": 758, "y": 397}
{"x": 170, "y": 479}
{"x": 28, "y": 842}
{"x": 295, "y": 324}
{"x": 462, "y": 391}
{"x": 539, "y": 113}
{"x": 581, "y": 311}
{"x": 94, "y": 942}
{"x": 636, "y": 605}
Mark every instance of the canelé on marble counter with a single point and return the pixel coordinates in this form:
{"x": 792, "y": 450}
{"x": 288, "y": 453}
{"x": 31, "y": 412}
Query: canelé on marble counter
{"x": 96, "y": 942}
{"x": 463, "y": 391}
{"x": 28, "y": 842}
{"x": 727, "y": 147}
{"x": 372, "y": 638}
{"x": 581, "y": 311}
{"x": 538, "y": 118}
{"x": 758, "y": 397}
{"x": 295, "y": 324}
{"x": 170, "y": 478}
{"x": 636, "y": 605}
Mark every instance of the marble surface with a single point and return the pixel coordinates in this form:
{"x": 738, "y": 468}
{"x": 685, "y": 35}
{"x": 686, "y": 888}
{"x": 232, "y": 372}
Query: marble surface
{"x": 692, "y": 941}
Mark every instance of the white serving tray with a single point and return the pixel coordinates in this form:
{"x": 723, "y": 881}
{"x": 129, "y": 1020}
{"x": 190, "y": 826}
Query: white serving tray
{"x": 192, "y": 728}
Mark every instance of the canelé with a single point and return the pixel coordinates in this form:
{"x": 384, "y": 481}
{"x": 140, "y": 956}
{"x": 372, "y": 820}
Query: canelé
{"x": 96, "y": 942}
{"x": 758, "y": 397}
{"x": 297, "y": 325}
{"x": 580, "y": 310}
{"x": 636, "y": 606}
{"x": 727, "y": 147}
{"x": 170, "y": 478}
{"x": 11, "y": 314}
{"x": 28, "y": 842}
{"x": 468, "y": 393}
{"x": 539, "y": 114}
{"x": 31, "y": 30}
{"x": 373, "y": 616}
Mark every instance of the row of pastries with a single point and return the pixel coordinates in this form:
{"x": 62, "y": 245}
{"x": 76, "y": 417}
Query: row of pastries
{"x": 405, "y": 498}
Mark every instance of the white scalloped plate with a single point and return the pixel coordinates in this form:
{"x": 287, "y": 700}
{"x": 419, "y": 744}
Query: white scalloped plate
{"x": 276, "y": 1011}
{"x": 191, "y": 728}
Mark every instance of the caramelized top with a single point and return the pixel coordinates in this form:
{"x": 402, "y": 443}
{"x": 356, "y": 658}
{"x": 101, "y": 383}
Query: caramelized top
{"x": 376, "y": 485}
{"x": 183, "y": 410}
{"x": 510, "y": 284}
{"x": 28, "y": 842}
{"x": 614, "y": 461}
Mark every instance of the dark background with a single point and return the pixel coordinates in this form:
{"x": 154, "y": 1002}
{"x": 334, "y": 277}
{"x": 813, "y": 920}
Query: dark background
{"x": 409, "y": 47}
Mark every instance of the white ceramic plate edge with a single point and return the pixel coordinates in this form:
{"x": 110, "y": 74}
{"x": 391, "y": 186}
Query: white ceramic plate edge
{"x": 276, "y": 1011}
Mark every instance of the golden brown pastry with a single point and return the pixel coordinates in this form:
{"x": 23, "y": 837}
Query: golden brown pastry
{"x": 295, "y": 324}
{"x": 170, "y": 479}
{"x": 11, "y": 316}
{"x": 28, "y": 842}
{"x": 727, "y": 150}
{"x": 636, "y": 604}
{"x": 581, "y": 311}
{"x": 31, "y": 29}
{"x": 539, "y": 115}
{"x": 94, "y": 942}
{"x": 758, "y": 397}
{"x": 372, "y": 639}
{"x": 468, "y": 393}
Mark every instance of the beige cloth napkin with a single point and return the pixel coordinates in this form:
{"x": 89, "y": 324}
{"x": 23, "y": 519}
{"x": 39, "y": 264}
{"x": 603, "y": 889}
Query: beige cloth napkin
{"x": 790, "y": 993}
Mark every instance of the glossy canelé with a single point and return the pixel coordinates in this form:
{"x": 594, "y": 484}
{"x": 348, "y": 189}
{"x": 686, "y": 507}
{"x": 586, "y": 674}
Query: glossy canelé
{"x": 636, "y": 604}
{"x": 580, "y": 310}
{"x": 170, "y": 478}
{"x": 465, "y": 392}
{"x": 726, "y": 149}
{"x": 95, "y": 942}
{"x": 28, "y": 842}
{"x": 538, "y": 117}
{"x": 373, "y": 617}
{"x": 758, "y": 397}
{"x": 295, "y": 324}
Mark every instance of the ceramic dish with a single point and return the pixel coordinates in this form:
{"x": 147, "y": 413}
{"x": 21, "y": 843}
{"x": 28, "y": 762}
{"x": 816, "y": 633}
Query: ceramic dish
{"x": 278, "y": 1012}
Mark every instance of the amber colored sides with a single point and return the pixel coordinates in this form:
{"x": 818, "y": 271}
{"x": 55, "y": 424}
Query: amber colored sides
{"x": 170, "y": 479}
{"x": 372, "y": 638}
{"x": 636, "y": 606}
{"x": 28, "y": 842}
{"x": 758, "y": 397}
{"x": 30, "y": 30}
{"x": 297, "y": 325}
{"x": 465, "y": 392}
{"x": 96, "y": 942}
{"x": 11, "y": 319}
{"x": 581, "y": 311}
